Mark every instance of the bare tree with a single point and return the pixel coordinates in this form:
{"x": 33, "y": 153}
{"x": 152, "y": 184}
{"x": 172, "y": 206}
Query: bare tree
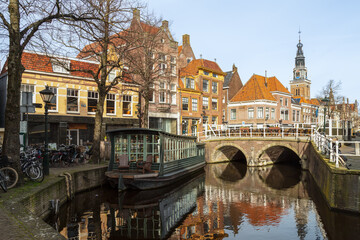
{"x": 103, "y": 40}
{"x": 331, "y": 91}
{"x": 151, "y": 62}
{"x": 20, "y": 20}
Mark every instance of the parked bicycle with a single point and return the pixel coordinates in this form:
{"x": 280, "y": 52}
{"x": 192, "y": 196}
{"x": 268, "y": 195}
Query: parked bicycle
{"x": 31, "y": 164}
{"x": 8, "y": 175}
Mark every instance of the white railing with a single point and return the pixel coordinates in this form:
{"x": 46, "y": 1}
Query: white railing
{"x": 219, "y": 131}
{"x": 329, "y": 145}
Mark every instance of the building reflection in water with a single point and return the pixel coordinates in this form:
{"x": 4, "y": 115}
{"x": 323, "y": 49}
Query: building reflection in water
{"x": 228, "y": 201}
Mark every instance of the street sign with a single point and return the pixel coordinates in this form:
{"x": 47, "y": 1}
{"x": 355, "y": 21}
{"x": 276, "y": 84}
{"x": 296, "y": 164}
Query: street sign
{"x": 23, "y": 127}
{"x": 30, "y": 109}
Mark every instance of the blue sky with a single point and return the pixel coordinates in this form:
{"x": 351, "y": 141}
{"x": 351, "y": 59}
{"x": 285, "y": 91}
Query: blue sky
{"x": 259, "y": 35}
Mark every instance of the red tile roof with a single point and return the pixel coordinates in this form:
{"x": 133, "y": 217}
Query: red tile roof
{"x": 179, "y": 49}
{"x": 193, "y": 67}
{"x": 274, "y": 85}
{"x": 42, "y": 63}
{"x": 255, "y": 89}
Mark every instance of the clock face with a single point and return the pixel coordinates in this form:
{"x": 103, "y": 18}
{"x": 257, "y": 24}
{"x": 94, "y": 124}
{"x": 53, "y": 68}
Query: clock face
{"x": 297, "y": 74}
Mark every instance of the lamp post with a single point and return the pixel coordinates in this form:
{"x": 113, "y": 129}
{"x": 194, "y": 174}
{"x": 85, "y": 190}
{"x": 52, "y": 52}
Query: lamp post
{"x": 46, "y": 96}
{"x": 325, "y": 100}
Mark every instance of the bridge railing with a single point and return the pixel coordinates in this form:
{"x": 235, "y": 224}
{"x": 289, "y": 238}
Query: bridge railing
{"x": 330, "y": 146}
{"x": 212, "y": 132}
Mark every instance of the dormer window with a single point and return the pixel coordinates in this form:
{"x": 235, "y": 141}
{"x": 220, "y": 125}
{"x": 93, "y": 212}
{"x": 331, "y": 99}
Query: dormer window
{"x": 162, "y": 40}
{"x": 60, "y": 66}
{"x": 206, "y": 73}
{"x": 188, "y": 60}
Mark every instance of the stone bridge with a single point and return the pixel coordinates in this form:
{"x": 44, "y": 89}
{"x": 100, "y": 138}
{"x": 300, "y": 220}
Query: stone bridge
{"x": 258, "y": 151}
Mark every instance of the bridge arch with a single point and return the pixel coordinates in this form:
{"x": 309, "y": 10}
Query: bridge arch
{"x": 226, "y": 152}
{"x": 278, "y": 152}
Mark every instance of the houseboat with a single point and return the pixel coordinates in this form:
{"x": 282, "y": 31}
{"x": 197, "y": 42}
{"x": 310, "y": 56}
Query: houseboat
{"x": 148, "y": 158}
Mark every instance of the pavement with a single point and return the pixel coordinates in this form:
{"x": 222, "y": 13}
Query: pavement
{"x": 18, "y": 223}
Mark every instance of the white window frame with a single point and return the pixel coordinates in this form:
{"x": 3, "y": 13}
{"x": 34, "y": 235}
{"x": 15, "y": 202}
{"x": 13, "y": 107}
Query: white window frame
{"x": 78, "y": 100}
{"x": 96, "y": 96}
{"x": 58, "y": 68}
{"x": 213, "y": 100}
{"x": 251, "y": 113}
{"x": 25, "y": 87}
{"x": 260, "y": 113}
{"x": 173, "y": 98}
{"x": 212, "y": 87}
{"x": 131, "y": 103}
{"x": 207, "y": 89}
{"x": 233, "y": 114}
{"x": 207, "y": 101}
{"x": 160, "y": 92}
{"x": 107, "y": 96}
{"x": 272, "y": 113}
{"x": 114, "y": 73}
{"x": 56, "y": 96}
{"x": 194, "y": 102}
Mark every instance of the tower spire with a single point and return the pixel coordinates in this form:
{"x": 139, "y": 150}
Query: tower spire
{"x": 299, "y": 35}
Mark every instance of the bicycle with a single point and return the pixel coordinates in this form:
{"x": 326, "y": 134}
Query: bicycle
{"x": 8, "y": 175}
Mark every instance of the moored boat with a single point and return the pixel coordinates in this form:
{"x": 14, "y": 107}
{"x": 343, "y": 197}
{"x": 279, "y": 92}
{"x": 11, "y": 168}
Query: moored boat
{"x": 148, "y": 159}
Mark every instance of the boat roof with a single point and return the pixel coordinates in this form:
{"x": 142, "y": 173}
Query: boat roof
{"x": 145, "y": 131}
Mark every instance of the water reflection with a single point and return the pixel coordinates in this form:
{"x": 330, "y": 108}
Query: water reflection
{"x": 230, "y": 201}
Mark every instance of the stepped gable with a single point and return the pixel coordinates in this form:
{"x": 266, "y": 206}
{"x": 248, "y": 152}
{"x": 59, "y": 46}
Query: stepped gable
{"x": 254, "y": 89}
{"x": 227, "y": 78}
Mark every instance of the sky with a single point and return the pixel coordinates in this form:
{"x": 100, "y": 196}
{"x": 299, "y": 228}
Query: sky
{"x": 259, "y": 35}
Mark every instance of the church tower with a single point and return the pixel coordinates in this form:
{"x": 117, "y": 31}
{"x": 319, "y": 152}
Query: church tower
{"x": 300, "y": 85}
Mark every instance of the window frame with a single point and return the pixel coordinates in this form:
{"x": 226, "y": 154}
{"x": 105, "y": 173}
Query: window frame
{"x": 196, "y": 101}
{"x": 217, "y": 103}
{"x": 251, "y": 111}
{"x": 185, "y": 102}
{"x": 77, "y": 102}
{"x": 124, "y": 100}
{"x": 56, "y": 95}
{"x": 207, "y": 101}
{"x": 114, "y": 100}
{"x": 97, "y": 100}
{"x": 233, "y": 114}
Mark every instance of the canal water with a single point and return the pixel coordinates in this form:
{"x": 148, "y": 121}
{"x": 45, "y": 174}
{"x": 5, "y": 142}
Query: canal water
{"x": 227, "y": 201}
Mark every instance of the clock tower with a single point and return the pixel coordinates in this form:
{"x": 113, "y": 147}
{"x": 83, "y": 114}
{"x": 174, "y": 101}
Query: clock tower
{"x": 300, "y": 85}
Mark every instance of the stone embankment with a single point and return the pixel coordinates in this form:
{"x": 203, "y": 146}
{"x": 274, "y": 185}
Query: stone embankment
{"x": 22, "y": 209}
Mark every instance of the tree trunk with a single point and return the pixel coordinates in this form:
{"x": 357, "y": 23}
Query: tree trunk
{"x": 11, "y": 144}
{"x": 145, "y": 120}
{"x": 95, "y": 157}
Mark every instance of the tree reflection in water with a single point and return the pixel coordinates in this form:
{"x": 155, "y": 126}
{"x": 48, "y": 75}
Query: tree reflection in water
{"x": 230, "y": 201}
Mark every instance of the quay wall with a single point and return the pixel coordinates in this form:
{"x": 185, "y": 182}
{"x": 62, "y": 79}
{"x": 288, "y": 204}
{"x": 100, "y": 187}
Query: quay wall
{"x": 63, "y": 188}
{"x": 339, "y": 186}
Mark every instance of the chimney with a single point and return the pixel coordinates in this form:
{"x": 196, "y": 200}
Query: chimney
{"x": 165, "y": 24}
{"x": 136, "y": 14}
{"x": 265, "y": 78}
{"x": 200, "y": 56}
{"x": 186, "y": 39}
{"x": 234, "y": 68}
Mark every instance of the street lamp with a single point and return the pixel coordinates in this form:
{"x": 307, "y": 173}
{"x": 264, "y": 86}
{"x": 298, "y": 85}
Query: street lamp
{"x": 325, "y": 100}
{"x": 46, "y": 95}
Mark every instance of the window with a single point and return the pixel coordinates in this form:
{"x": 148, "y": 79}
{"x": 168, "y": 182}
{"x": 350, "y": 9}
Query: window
{"x": 206, "y": 119}
{"x": 214, "y": 87}
{"x": 190, "y": 83}
{"x": 233, "y": 114}
{"x": 173, "y": 98}
{"x": 281, "y": 101}
{"x": 173, "y": 69}
{"x": 297, "y": 116}
{"x": 214, "y": 120}
{"x": 286, "y": 101}
{"x": 214, "y": 75}
{"x": 206, "y": 73}
{"x": 161, "y": 56}
{"x": 110, "y": 103}
{"x": 214, "y": 102}
{"x": 250, "y": 113}
{"x": 151, "y": 95}
{"x": 127, "y": 108}
{"x": 286, "y": 115}
{"x": 185, "y": 104}
{"x": 162, "y": 97}
{"x": 188, "y": 60}
{"x": 206, "y": 85}
{"x": 267, "y": 113}
{"x": 194, "y": 104}
{"x": 173, "y": 87}
{"x": 52, "y": 105}
{"x": 162, "y": 85}
{"x": 173, "y": 59}
{"x": 206, "y": 102}
{"x": 92, "y": 101}
{"x": 293, "y": 116}
{"x": 72, "y": 101}
{"x": 273, "y": 113}
{"x": 162, "y": 67}
{"x": 60, "y": 67}
{"x": 111, "y": 76}
{"x": 260, "y": 112}
{"x": 162, "y": 40}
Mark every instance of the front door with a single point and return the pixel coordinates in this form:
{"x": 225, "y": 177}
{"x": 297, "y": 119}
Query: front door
{"x": 72, "y": 136}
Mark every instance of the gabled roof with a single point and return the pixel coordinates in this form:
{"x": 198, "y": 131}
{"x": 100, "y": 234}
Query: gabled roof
{"x": 193, "y": 67}
{"x": 254, "y": 89}
{"x": 312, "y": 101}
{"x": 42, "y": 63}
{"x": 274, "y": 85}
{"x": 228, "y": 78}
{"x": 179, "y": 49}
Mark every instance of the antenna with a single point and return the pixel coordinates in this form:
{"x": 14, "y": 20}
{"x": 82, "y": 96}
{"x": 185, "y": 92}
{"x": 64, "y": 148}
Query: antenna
{"x": 299, "y": 34}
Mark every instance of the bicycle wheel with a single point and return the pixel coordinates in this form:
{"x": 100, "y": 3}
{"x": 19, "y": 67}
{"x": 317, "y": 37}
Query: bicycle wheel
{"x": 11, "y": 176}
{"x": 35, "y": 173}
{"x": 2, "y": 181}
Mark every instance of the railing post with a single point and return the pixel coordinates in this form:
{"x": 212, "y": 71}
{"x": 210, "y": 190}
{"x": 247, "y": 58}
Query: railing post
{"x": 264, "y": 131}
{"x": 240, "y": 131}
{"x": 337, "y": 154}
{"x": 331, "y": 151}
{"x": 297, "y": 131}
{"x": 282, "y": 132}
{"x": 251, "y": 132}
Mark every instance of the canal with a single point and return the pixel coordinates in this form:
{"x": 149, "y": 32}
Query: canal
{"x": 227, "y": 201}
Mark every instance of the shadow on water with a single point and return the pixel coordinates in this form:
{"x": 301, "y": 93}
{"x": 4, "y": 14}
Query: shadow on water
{"x": 229, "y": 201}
